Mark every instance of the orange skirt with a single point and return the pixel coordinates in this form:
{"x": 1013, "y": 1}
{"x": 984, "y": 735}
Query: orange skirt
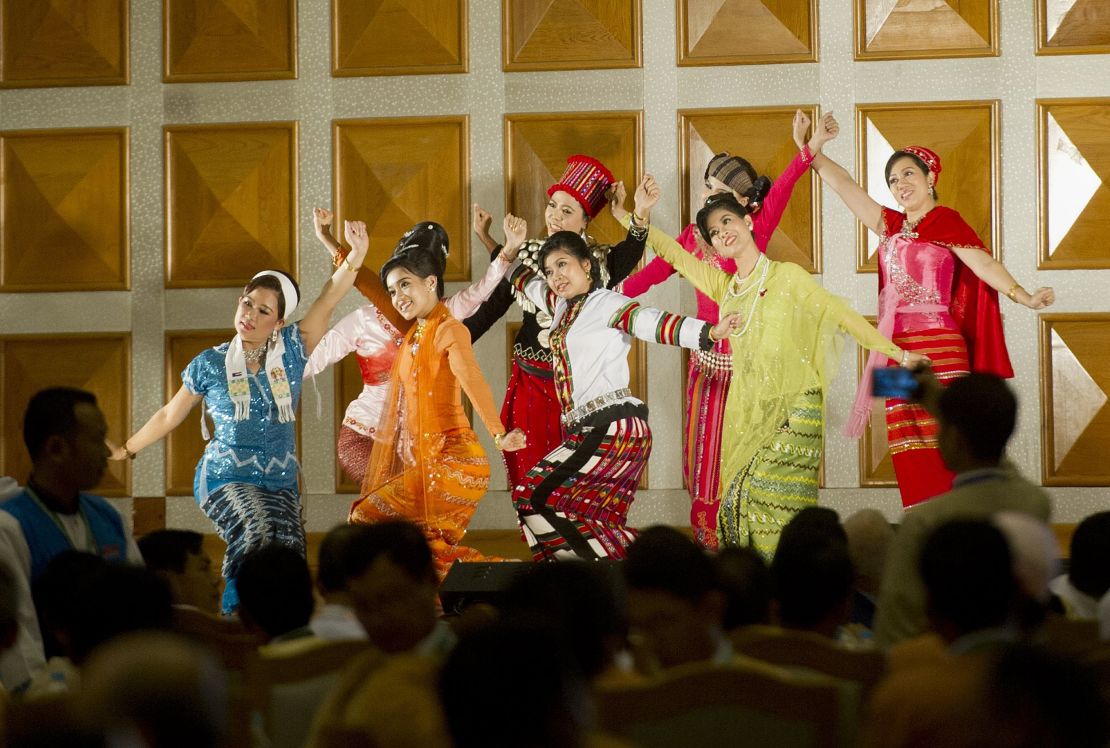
{"x": 911, "y": 431}
{"x": 439, "y": 497}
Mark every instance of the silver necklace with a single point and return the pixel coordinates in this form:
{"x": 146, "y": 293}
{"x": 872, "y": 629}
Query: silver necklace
{"x": 256, "y": 355}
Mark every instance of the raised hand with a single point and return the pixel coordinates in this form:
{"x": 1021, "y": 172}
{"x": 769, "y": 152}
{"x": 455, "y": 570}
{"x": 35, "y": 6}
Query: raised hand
{"x": 616, "y": 195}
{"x": 827, "y": 129}
{"x": 647, "y": 195}
{"x": 516, "y": 232}
{"x": 321, "y": 221}
{"x": 800, "y": 127}
{"x": 481, "y": 220}
{"x": 357, "y": 236}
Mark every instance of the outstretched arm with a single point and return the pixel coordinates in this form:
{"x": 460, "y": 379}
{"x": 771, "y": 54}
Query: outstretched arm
{"x": 707, "y": 279}
{"x": 315, "y": 322}
{"x": 994, "y": 274}
{"x": 658, "y": 326}
{"x": 168, "y": 417}
{"x": 862, "y": 205}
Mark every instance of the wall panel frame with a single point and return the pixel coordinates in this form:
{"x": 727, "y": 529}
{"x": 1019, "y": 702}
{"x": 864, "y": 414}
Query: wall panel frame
{"x": 65, "y": 210}
{"x": 64, "y": 43}
{"x": 911, "y": 29}
{"x": 762, "y": 135}
{"x": 571, "y": 35}
{"x": 1072, "y": 27}
{"x": 417, "y": 37}
{"x": 228, "y": 40}
{"x": 746, "y": 32}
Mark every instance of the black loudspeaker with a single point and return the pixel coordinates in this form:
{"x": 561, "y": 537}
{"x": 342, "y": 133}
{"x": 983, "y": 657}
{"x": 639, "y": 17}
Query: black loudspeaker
{"x": 472, "y": 582}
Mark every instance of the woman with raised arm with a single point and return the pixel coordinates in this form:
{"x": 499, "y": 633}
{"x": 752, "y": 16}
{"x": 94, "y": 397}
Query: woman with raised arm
{"x": 783, "y": 357}
{"x": 938, "y": 296}
{"x": 573, "y": 503}
{"x": 426, "y": 465}
{"x": 375, "y": 339}
{"x": 572, "y": 202}
{"x": 246, "y": 481}
{"x": 710, "y": 371}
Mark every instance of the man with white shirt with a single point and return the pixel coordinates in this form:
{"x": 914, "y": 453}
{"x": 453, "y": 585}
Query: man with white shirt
{"x": 64, "y": 431}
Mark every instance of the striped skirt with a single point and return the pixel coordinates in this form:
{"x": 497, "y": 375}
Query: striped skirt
{"x": 574, "y": 502}
{"x": 911, "y": 432}
{"x": 248, "y": 517}
{"x": 440, "y": 498}
{"x": 701, "y": 457}
{"x": 778, "y": 482}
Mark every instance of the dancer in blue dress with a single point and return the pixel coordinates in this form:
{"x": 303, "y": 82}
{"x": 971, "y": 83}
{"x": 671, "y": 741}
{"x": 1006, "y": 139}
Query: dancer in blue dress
{"x": 247, "y": 479}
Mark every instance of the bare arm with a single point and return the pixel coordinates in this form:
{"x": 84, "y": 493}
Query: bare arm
{"x": 862, "y": 205}
{"x": 168, "y": 417}
{"x": 315, "y": 322}
{"x": 481, "y": 223}
{"x": 994, "y": 274}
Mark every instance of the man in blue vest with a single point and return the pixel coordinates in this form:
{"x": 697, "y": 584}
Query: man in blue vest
{"x": 64, "y": 432}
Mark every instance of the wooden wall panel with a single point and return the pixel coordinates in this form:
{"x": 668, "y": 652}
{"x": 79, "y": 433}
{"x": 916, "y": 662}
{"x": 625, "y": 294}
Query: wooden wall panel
{"x": 228, "y": 40}
{"x": 59, "y": 43}
{"x": 762, "y": 135}
{"x": 738, "y": 32}
{"x": 99, "y": 363}
{"x": 909, "y": 29}
{"x": 1075, "y": 382}
{"x": 876, "y": 469}
{"x": 571, "y": 34}
{"x": 414, "y": 37}
{"x": 965, "y": 134}
{"x": 184, "y": 445}
{"x": 64, "y": 210}
{"x": 1073, "y": 27}
{"x": 393, "y": 173}
{"x": 536, "y": 151}
{"x": 231, "y": 202}
{"x": 1073, "y": 141}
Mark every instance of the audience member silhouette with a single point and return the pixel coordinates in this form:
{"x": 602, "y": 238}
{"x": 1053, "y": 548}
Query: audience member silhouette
{"x": 275, "y": 593}
{"x": 178, "y": 558}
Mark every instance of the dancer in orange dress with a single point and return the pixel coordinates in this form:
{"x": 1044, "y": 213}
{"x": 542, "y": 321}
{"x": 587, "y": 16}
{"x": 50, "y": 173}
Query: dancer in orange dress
{"x": 427, "y": 465}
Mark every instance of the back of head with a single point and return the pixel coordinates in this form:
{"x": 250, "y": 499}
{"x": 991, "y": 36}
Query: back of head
{"x": 1090, "y": 555}
{"x": 401, "y": 542}
{"x": 983, "y": 409}
{"x": 169, "y": 550}
{"x": 664, "y": 559}
{"x": 1034, "y": 550}
{"x": 746, "y": 582}
{"x": 87, "y": 601}
{"x": 966, "y": 567}
{"x": 51, "y": 412}
{"x": 514, "y": 684}
{"x": 869, "y": 537}
{"x": 275, "y": 589}
{"x": 340, "y": 557}
{"x": 812, "y": 572}
{"x": 157, "y": 685}
{"x": 739, "y": 176}
{"x": 581, "y": 600}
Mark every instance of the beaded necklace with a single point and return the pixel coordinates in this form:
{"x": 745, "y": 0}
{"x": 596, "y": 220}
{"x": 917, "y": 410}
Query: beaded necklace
{"x": 414, "y": 346}
{"x": 738, "y": 287}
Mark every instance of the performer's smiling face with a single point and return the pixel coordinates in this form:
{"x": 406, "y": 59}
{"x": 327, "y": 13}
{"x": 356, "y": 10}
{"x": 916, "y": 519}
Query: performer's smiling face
{"x": 257, "y": 315}
{"x": 566, "y": 275}
{"x": 729, "y": 233}
{"x": 910, "y": 185}
{"x": 564, "y": 213}
{"x": 412, "y": 296}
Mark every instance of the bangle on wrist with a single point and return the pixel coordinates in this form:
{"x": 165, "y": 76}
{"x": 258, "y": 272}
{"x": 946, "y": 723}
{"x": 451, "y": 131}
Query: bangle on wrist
{"x": 130, "y": 455}
{"x": 1012, "y": 293}
{"x": 497, "y": 440}
{"x": 905, "y": 357}
{"x": 350, "y": 266}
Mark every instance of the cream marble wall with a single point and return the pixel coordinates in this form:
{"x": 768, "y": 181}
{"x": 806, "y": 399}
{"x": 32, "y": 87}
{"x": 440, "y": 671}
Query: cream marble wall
{"x": 838, "y": 83}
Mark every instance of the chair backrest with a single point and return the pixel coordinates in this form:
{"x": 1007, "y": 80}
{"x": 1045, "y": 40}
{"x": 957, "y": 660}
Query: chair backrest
{"x": 812, "y": 651}
{"x": 288, "y": 682}
{"x": 735, "y": 705}
{"x": 1068, "y": 636}
{"x": 225, "y": 637}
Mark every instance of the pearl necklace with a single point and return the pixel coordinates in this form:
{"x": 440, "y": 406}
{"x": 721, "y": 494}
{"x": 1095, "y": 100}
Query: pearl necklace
{"x": 738, "y": 288}
{"x": 255, "y": 355}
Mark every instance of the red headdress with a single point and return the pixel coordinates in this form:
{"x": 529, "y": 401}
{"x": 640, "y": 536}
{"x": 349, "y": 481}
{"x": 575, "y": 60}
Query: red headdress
{"x": 929, "y": 158}
{"x": 586, "y": 180}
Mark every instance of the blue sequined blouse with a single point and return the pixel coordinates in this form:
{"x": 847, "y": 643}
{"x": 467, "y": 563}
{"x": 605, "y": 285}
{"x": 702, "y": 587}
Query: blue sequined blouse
{"x": 259, "y": 450}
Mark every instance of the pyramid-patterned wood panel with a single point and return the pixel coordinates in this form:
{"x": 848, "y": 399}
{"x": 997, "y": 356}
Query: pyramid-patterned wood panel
{"x": 571, "y": 34}
{"x": 97, "y": 362}
{"x": 1075, "y": 385}
{"x": 1074, "y": 181}
{"x": 228, "y": 40}
{"x": 63, "y": 43}
{"x": 399, "y": 37}
{"x": 231, "y": 202}
{"x": 64, "y": 210}
{"x": 737, "y": 32}
{"x": 1072, "y": 27}
{"x": 876, "y": 469}
{"x": 965, "y": 136}
{"x": 393, "y": 173}
{"x": 763, "y": 137}
{"x": 916, "y": 29}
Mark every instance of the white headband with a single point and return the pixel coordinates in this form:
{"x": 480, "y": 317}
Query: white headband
{"x": 288, "y": 291}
